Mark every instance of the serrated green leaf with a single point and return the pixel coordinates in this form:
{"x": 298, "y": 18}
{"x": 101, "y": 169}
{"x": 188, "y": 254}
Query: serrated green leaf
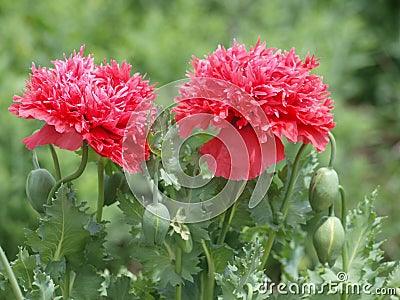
{"x": 143, "y": 287}
{"x": 160, "y": 267}
{"x": 62, "y": 231}
{"x": 133, "y": 212}
{"x": 43, "y": 287}
{"x": 243, "y": 271}
{"x": 169, "y": 179}
{"x": 199, "y": 231}
{"x": 23, "y": 268}
{"x": 56, "y": 270}
{"x": 94, "y": 248}
{"x": 157, "y": 265}
{"x": 364, "y": 255}
{"x": 120, "y": 289}
{"x": 131, "y": 208}
{"x": 86, "y": 284}
{"x": 393, "y": 280}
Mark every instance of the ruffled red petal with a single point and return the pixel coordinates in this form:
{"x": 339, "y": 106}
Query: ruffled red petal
{"x": 48, "y": 135}
{"x": 239, "y": 155}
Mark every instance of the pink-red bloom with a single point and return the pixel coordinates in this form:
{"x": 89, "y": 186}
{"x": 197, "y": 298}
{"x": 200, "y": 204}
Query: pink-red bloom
{"x": 80, "y": 100}
{"x": 295, "y": 103}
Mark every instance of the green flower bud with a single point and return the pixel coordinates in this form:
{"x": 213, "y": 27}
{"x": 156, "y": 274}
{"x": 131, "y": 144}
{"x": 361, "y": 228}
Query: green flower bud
{"x": 329, "y": 239}
{"x": 324, "y": 189}
{"x": 155, "y": 223}
{"x": 38, "y": 187}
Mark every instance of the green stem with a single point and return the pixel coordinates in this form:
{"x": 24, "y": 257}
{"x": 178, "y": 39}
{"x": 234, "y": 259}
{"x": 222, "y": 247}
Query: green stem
{"x": 100, "y": 189}
{"x": 190, "y": 193}
{"x": 72, "y": 176}
{"x": 11, "y": 276}
{"x": 267, "y": 249}
{"x": 344, "y": 249}
{"x": 292, "y": 181}
{"x": 178, "y": 270}
{"x": 333, "y": 149}
{"x": 285, "y": 205}
{"x": 229, "y": 214}
{"x": 344, "y": 206}
{"x": 211, "y": 270}
{"x": 203, "y": 288}
{"x": 169, "y": 250}
{"x": 55, "y": 161}
{"x": 35, "y": 160}
{"x": 155, "y": 181}
{"x": 67, "y": 281}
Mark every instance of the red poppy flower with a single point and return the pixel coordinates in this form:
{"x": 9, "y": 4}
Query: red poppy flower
{"x": 79, "y": 101}
{"x": 295, "y": 103}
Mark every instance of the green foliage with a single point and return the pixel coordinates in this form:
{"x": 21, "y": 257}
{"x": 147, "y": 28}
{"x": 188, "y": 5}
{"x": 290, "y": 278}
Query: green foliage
{"x": 86, "y": 283}
{"x": 242, "y": 276}
{"x": 23, "y": 266}
{"x": 62, "y": 232}
{"x": 365, "y": 255}
{"x": 393, "y": 280}
{"x": 120, "y": 289}
{"x": 68, "y": 244}
{"x": 267, "y": 213}
{"x": 43, "y": 288}
{"x": 357, "y": 44}
{"x": 159, "y": 265}
{"x": 365, "y": 260}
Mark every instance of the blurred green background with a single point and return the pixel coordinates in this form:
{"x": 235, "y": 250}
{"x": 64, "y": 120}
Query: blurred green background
{"x": 358, "y": 42}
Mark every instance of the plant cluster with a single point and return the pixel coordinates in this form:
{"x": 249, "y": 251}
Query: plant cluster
{"x": 269, "y": 115}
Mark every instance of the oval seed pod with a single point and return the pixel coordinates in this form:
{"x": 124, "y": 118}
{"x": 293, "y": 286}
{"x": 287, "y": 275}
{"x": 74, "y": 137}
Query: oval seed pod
{"x": 329, "y": 239}
{"x": 324, "y": 189}
{"x": 38, "y": 186}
